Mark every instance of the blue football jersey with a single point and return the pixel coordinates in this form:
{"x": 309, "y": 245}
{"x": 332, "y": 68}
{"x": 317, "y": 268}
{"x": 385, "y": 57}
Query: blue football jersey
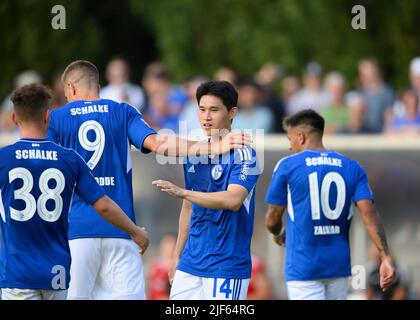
{"x": 318, "y": 188}
{"x": 102, "y": 132}
{"x": 37, "y": 182}
{"x": 219, "y": 241}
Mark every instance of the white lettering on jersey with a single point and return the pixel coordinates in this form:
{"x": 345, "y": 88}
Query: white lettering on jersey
{"x": 244, "y": 171}
{"x": 105, "y": 181}
{"x": 96, "y": 108}
{"x": 326, "y": 230}
{"x": 326, "y": 161}
{"x": 36, "y": 154}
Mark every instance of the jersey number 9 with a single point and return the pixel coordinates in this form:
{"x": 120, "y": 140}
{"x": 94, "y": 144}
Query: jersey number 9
{"x": 97, "y": 145}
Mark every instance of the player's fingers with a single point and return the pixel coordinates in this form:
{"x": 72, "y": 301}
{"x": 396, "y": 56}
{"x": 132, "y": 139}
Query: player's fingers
{"x": 243, "y": 137}
{"x": 385, "y": 284}
{"x": 237, "y": 145}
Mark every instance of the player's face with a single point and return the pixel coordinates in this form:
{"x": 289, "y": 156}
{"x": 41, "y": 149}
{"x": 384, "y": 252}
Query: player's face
{"x": 214, "y": 116}
{"x": 296, "y": 139}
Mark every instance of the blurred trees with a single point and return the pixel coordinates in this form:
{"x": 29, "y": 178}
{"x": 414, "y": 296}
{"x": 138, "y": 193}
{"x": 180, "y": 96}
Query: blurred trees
{"x": 95, "y": 30}
{"x": 197, "y": 36}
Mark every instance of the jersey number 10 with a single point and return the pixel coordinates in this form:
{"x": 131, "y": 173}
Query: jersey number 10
{"x": 324, "y": 196}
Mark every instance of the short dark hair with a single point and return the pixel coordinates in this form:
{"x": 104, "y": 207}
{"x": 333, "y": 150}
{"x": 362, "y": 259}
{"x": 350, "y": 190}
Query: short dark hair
{"x": 221, "y": 89}
{"x": 86, "y": 70}
{"x": 307, "y": 117}
{"x": 31, "y": 102}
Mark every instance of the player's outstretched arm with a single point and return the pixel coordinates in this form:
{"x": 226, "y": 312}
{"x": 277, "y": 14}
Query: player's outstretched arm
{"x": 376, "y": 231}
{"x": 231, "y": 199}
{"x": 183, "y": 231}
{"x": 273, "y": 222}
{"x": 174, "y": 146}
{"x": 111, "y": 212}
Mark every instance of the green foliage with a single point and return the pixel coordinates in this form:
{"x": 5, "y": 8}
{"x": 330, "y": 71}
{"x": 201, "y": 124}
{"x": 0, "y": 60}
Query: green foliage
{"x": 95, "y": 30}
{"x": 198, "y": 36}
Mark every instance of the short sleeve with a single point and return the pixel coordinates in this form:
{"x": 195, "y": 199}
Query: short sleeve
{"x": 51, "y": 133}
{"x": 362, "y": 190}
{"x": 277, "y": 191}
{"x": 86, "y": 187}
{"x": 245, "y": 170}
{"x": 138, "y": 129}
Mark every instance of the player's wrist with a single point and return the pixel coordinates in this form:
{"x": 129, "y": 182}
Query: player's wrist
{"x": 276, "y": 235}
{"x": 385, "y": 257}
{"x": 185, "y": 194}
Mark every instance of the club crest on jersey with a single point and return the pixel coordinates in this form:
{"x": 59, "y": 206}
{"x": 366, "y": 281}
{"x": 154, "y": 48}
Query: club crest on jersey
{"x": 216, "y": 172}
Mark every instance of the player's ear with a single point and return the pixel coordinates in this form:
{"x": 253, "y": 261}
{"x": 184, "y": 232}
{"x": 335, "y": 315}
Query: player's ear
{"x": 72, "y": 88}
{"x": 47, "y": 116}
{"x": 301, "y": 137}
{"x": 232, "y": 113}
{"x": 15, "y": 118}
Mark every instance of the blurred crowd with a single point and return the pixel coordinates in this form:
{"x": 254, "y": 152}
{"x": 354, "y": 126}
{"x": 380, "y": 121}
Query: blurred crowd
{"x": 366, "y": 105}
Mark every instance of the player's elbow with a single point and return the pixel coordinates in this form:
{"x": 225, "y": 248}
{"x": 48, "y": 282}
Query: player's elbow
{"x": 103, "y": 205}
{"x": 235, "y": 205}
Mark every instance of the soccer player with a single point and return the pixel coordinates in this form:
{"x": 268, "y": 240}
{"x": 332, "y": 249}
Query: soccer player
{"x": 212, "y": 255}
{"x": 106, "y": 264}
{"x": 318, "y": 187}
{"x": 37, "y": 182}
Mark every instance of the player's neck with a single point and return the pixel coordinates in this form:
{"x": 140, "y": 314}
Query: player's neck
{"x": 87, "y": 95}
{"x": 32, "y": 132}
{"x": 315, "y": 146}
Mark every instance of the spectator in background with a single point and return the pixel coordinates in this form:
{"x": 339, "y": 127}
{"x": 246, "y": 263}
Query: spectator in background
{"x": 159, "y": 113}
{"x": 189, "y": 114}
{"x": 415, "y": 77}
{"x": 378, "y": 95}
{"x": 401, "y": 287}
{"x": 290, "y": 86}
{"x": 259, "y": 286}
{"x": 409, "y": 122}
{"x": 6, "y": 110}
{"x": 158, "y": 280}
{"x": 156, "y": 79}
{"x": 336, "y": 114}
{"x": 252, "y": 114}
{"x": 267, "y": 77}
{"x": 58, "y": 98}
{"x": 226, "y": 74}
{"x": 312, "y": 96}
{"x": 356, "y": 114}
{"x": 119, "y": 88}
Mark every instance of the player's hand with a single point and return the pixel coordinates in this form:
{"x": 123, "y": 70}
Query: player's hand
{"x": 233, "y": 140}
{"x": 281, "y": 238}
{"x": 169, "y": 188}
{"x": 141, "y": 237}
{"x": 386, "y": 273}
{"x": 171, "y": 272}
